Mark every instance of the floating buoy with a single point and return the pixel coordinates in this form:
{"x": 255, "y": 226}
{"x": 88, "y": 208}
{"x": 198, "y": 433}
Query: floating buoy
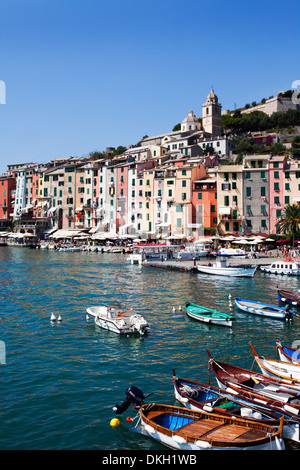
{"x": 114, "y": 422}
{"x": 179, "y": 308}
{"x": 229, "y": 296}
{"x": 59, "y": 318}
{"x": 53, "y": 317}
{"x": 128, "y": 418}
{"x": 173, "y": 309}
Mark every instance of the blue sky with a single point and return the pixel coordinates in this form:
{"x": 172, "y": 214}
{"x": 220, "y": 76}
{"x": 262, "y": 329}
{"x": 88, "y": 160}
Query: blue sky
{"x": 83, "y": 75}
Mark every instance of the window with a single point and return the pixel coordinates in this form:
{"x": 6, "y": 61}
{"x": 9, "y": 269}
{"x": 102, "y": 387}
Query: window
{"x": 199, "y": 195}
{"x": 178, "y": 223}
{"x": 286, "y": 199}
{"x": 184, "y": 183}
{"x": 262, "y": 191}
{"x": 276, "y": 175}
{"x": 248, "y": 192}
{"x": 287, "y": 186}
{"x": 276, "y": 186}
{"x": 263, "y": 174}
{"x": 263, "y": 223}
{"x": 276, "y": 200}
{"x": 226, "y": 200}
{"x": 275, "y": 165}
{"x": 248, "y": 175}
{"x": 212, "y": 208}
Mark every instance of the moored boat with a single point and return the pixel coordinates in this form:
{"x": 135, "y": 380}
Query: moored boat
{"x": 232, "y": 252}
{"x": 207, "y": 315}
{"x": 264, "y": 310}
{"x": 118, "y": 320}
{"x": 287, "y": 266}
{"x": 184, "y": 429}
{"x": 288, "y": 354}
{"x": 275, "y": 393}
{"x": 288, "y": 296}
{"x": 220, "y": 268}
{"x": 195, "y": 395}
{"x": 277, "y": 369}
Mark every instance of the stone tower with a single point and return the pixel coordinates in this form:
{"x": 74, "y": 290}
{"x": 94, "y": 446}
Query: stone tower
{"x": 211, "y": 115}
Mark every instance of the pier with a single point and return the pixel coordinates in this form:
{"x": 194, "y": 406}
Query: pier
{"x": 191, "y": 265}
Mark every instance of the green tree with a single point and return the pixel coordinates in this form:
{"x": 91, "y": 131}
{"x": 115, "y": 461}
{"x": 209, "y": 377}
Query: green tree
{"x": 289, "y": 222}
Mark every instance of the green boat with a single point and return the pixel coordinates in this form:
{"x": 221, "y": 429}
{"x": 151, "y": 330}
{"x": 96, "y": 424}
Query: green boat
{"x": 208, "y": 315}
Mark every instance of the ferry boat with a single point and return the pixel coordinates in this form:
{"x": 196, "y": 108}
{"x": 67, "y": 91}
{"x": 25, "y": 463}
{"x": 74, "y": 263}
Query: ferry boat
{"x": 288, "y": 266}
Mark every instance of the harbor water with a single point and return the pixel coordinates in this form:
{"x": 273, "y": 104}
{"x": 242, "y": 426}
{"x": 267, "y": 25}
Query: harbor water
{"x": 59, "y": 381}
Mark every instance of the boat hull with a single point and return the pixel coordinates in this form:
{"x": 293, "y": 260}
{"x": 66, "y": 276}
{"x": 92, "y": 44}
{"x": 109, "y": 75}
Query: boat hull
{"x": 203, "y": 315}
{"x": 227, "y": 271}
{"x": 263, "y": 310}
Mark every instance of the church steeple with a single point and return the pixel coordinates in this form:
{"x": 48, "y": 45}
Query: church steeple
{"x": 211, "y": 114}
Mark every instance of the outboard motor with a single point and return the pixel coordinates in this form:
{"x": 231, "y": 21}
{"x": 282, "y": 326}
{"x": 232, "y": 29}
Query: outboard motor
{"x": 134, "y": 398}
{"x": 288, "y": 313}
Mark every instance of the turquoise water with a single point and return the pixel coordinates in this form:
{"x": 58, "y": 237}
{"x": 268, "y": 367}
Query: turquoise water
{"x": 60, "y": 381}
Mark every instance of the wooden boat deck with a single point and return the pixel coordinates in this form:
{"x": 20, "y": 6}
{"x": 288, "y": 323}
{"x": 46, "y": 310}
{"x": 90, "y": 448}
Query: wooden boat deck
{"x": 216, "y": 431}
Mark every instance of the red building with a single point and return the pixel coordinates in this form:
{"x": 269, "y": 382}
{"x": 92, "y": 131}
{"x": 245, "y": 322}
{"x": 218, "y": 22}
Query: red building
{"x": 7, "y": 197}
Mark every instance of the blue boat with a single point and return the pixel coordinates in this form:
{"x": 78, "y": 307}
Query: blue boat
{"x": 287, "y": 354}
{"x": 264, "y": 310}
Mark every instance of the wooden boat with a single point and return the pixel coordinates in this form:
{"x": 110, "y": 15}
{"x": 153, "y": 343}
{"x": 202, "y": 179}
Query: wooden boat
{"x": 288, "y": 296}
{"x": 198, "y": 396}
{"x": 264, "y": 310}
{"x": 118, "y": 320}
{"x": 220, "y": 268}
{"x": 287, "y": 354}
{"x": 277, "y": 369}
{"x": 184, "y": 429}
{"x": 287, "y": 266}
{"x": 275, "y": 393}
{"x": 208, "y": 315}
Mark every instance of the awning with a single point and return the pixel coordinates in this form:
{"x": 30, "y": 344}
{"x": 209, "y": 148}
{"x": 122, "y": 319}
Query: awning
{"x": 224, "y": 210}
{"x": 66, "y": 233}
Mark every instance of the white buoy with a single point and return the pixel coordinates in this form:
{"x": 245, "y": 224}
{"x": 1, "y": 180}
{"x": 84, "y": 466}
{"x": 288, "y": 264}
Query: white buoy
{"x": 174, "y": 309}
{"x": 229, "y": 296}
{"x": 53, "y": 317}
{"x": 59, "y": 318}
{"x": 179, "y": 308}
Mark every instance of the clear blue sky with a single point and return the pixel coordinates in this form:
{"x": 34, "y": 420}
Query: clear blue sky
{"x": 82, "y": 75}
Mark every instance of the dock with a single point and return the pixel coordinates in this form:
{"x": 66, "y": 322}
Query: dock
{"x": 191, "y": 265}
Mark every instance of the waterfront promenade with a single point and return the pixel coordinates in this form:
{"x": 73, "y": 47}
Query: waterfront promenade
{"x": 191, "y": 265}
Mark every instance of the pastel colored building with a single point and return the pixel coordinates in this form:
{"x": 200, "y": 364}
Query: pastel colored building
{"x": 7, "y": 197}
{"x": 276, "y": 188}
{"x": 230, "y": 198}
{"x": 256, "y": 195}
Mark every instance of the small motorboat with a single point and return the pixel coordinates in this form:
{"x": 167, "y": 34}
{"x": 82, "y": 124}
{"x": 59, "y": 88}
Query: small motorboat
{"x": 288, "y": 296}
{"x": 232, "y": 252}
{"x": 207, "y": 315}
{"x": 118, "y": 320}
{"x": 195, "y": 395}
{"x": 277, "y": 369}
{"x": 220, "y": 268}
{"x": 183, "y": 429}
{"x": 70, "y": 249}
{"x": 287, "y": 266}
{"x": 264, "y": 310}
{"x": 287, "y": 354}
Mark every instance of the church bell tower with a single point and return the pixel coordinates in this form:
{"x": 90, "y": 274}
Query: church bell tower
{"x": 211, "y": 115}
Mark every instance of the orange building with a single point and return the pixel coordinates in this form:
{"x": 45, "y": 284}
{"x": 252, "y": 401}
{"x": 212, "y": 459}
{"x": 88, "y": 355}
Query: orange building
{"x": 204, "y": 201}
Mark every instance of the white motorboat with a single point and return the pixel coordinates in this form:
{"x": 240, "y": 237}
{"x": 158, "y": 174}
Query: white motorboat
{"x": 287, "y": 266}
{"x": 118, "y": 320}
{"x": 70, "y": 249}
{"x": 220, "y": 268}
{"x": 232, "y": 252}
